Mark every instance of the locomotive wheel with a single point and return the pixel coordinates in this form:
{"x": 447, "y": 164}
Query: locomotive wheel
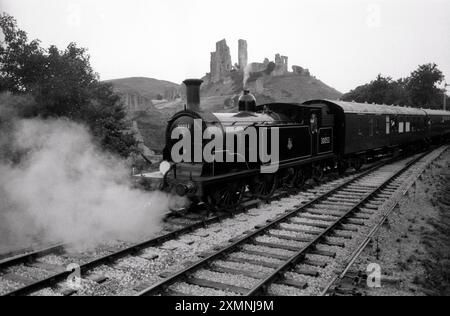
{"x": 264, "y": 186}
{"x": 318, "y": 172}
{"x": 342, "y": 167}
{"x": 288, "y": 178}
{"x": 357, "y": 164}
{"x": 300, "y": 178}
{"x": 226, "y": 196}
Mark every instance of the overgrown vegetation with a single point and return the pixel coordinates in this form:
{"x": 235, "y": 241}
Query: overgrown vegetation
{"x": 420, "y": 89}
{"x": 60, "y": 84}
{"x": 437, "y": 241}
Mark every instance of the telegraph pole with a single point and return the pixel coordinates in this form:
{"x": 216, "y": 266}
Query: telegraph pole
{"x": 445, "y": 95}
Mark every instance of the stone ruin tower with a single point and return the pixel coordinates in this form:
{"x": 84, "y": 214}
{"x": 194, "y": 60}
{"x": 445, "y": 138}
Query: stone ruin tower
{"x": 220, "y": 61}
{"x": 243, "y": 54}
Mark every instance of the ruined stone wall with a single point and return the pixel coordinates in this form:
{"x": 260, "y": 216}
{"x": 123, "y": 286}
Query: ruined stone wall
{"x": 300, "y": 71}
{"x": 281, "y": 65}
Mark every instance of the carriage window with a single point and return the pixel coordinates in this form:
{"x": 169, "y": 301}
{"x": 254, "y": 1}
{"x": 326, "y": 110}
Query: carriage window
{"x": 408, "y": 127}
{"x": 371, "y": 127}
{"x": 377, "y": 126}
{"x": 388, "y": 125}
{"x": 314, "y": 124}
{"x": 394, "y": 125}
{"x": 401, "y": 127}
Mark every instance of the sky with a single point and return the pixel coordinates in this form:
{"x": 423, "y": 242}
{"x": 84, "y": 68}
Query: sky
{"x": 344, "y": 43}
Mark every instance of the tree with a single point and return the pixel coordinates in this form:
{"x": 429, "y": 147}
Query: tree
{"x": 21, "y": 62}
{"x": 418, "y": 90}
{"x": 382, "y": 90}
{"x": 63, "y": 84}
{"x": 422, "y": 87}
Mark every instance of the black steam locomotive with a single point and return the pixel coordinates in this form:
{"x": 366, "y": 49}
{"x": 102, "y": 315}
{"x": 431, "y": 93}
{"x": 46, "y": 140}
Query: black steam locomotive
{"x": 312, "y": 138}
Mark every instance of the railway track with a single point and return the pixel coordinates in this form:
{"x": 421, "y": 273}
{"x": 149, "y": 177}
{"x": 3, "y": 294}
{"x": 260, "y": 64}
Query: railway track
{"x": 186, "y": 223}
{"x": 290, "y": 251}
{"x": 350, "y": 281}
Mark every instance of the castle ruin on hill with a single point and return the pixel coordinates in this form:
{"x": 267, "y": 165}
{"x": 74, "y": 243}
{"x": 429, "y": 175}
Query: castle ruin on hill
{"x": 222, "y": 67}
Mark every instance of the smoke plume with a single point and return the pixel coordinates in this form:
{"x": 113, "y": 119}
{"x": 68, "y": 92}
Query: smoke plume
{"x": 64, "y": 189}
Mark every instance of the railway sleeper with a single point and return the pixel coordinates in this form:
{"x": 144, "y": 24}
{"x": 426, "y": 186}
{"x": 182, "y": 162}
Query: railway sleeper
{"x": 277, "y": 246}
{"x": 361, "y": 216}
{"x": 359, "y": 188}
{"x": 348, "y": 201}
{"x": 176, "y": 293}
{"x": 372, "y": 206}
{"x": 365, "y": 211}
{"x": 380, "y": 200}
{"x": 17, "y": 278}
{"x": 307, "y": 272}
{"x": 250, "y": 274}
{"x": 265, "y": 254}
{"x": 314, "y": 263}
{"x": 385, "y": 196}
{"x": 46, "y": 266}
{"x": 217, "y": 285}
{"x": 323, "y": 253}
{"x": 333, "y": 243}
{"x": 65, "y": 291}
{"x": 298, "y": 221}
{"x": 292, "y": 282}
{"x": 321, "y": 211}
{"x": 292, "y": 238}
{"x": 341, "y": 234}
{"x": 301, "y": 230}
{"x": 355, "y": 191}
{"x": 317, "y": 218}
{"x": 260, "y": 263}
{"x": 329, "y": 209}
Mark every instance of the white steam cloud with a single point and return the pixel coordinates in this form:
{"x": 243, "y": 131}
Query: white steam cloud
{"x": 66, "y": 190}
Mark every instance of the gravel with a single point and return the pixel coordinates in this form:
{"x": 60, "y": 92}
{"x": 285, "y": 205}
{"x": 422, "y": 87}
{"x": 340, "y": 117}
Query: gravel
{"x": 7, "y": 286}
{"x": 283, "y": 290}
{"x": 194, "y": 290}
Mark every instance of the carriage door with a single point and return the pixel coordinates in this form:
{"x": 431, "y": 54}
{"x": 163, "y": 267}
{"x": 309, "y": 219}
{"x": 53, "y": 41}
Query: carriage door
{"x": 314, "y": 127}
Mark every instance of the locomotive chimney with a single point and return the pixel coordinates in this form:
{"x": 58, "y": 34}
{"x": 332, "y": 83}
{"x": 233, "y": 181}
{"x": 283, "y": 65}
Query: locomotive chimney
{"x": 193, "y": 94}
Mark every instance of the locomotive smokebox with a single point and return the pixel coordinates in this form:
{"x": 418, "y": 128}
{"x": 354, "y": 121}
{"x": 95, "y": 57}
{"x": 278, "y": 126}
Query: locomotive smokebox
{"x": 247, "y": 102}
{"x": 193, "y": 94}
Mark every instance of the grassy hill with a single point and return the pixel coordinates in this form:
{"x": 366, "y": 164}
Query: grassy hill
{"x": 216, "y": 98}
{"x": 145, "y": 87}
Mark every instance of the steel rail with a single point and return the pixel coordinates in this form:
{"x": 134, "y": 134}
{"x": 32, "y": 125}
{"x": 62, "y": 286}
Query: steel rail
{"x": 135, "y": 249}
{"x": 363, "y": 245}
{"x": 262, "y": 287}
{"x": 161, "y": 286}
{"x": 30, "y": 256}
